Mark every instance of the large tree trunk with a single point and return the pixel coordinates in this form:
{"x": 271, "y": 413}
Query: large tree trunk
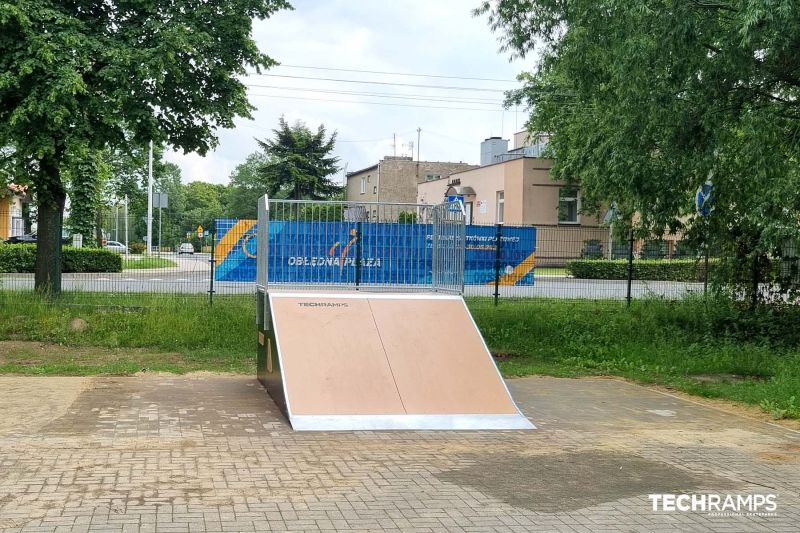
{"x": 50, "y": 199}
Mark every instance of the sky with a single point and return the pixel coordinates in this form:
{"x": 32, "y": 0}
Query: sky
{"x": 422, "y": 37}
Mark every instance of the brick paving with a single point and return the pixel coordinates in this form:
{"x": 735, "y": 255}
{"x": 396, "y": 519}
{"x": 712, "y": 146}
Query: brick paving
{"x": 212, "y": 453}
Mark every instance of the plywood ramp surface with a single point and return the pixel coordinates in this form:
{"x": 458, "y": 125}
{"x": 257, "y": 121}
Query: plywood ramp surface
{"x": 387, "y": 362}
{"x": 333, "y": 361}
{"x": 438, "y": 358}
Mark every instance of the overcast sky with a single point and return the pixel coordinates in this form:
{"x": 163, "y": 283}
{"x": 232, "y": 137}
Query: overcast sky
{"x": 438, "y": 37}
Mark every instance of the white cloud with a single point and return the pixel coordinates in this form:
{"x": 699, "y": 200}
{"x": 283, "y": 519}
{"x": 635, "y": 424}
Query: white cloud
{"x": 412, "y": 36}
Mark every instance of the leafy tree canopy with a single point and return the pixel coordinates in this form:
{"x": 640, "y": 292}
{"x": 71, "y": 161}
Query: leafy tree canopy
{"x": 78, "y": 77}
{"x": 645, "y": 100}
{"x": 299, "y": 163}
{"x": 247, "y": 185}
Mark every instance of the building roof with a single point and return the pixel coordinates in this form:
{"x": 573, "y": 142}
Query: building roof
{"x": 362, "y": 170}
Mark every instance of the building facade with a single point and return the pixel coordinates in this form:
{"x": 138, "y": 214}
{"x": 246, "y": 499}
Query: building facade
{"x": 520, "y": 191}
{"x": 11, "y": 222}
{"x": 395, "y": 179}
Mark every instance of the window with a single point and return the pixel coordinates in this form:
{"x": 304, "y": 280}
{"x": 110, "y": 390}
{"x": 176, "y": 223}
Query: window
{"x": 17, "y": 227}
{"x": 501, "y": 201}
{"x": 432, "y": 177}
{"x": 375, "y": 189}
{"x": 568, "y": 205}
{"x": 363, "y": 184}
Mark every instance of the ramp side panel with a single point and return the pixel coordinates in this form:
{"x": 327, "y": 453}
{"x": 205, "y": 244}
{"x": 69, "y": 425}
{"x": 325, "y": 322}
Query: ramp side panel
{"x": 332, "y": 359}
{"x": 438, "y": 358}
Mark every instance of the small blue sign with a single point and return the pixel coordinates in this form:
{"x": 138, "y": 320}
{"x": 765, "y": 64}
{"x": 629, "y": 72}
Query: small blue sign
{"x": 704, "y": 200}
{"x": 455, "y": 201}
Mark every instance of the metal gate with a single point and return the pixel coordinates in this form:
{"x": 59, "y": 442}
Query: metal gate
{"x": 360, "y": 246}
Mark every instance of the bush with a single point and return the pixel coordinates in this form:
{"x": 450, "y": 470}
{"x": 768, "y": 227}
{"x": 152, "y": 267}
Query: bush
{"x": 137, "y": 247}
{"x": 22, "y": 258}
{"x": 646, "y": 269}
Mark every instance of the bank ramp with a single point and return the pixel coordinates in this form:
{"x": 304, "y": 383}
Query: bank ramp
{"x": 357, "y": 361}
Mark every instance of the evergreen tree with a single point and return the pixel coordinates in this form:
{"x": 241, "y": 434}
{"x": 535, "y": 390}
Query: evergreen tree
{"x": 299, "y": 163}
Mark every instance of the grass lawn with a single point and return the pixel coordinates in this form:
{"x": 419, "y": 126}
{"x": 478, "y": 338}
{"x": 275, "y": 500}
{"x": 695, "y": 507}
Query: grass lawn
{"x": 147, "y": 262}
{"x": 704, "y": 350}
{"x": 550, "y": 271}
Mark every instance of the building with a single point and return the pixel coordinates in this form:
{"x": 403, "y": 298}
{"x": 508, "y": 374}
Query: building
{"x": 395, "y": 179}
{"x": 517, "y": 189}
{"x": 11, "y": 222}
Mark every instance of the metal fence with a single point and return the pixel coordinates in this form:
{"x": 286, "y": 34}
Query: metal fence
{"x": 506, "y": 261}
{"x": 349, "y": 245}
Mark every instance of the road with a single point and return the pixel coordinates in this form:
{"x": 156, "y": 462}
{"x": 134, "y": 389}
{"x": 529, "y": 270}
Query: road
{"x": 193, "y": 276}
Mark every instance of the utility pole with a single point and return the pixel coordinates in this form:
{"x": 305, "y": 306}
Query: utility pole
{"x": 419, "y": 130}
{"x": 126, "y": 225}
{"x": 159, "y": 222}
{"x": 150, "y": 201}
{"x": 394, "y": 144}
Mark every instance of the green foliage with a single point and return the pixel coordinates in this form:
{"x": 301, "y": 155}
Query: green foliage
{"x": 669, "y": 343}
{"x": 204, "y": 204}
{"x": 94, "y": 76}
{"x": 137, "y": 247}
{"x": 21, "y": 258}
{"x": 299, "y": 164}
{"x": 137, "y": 332}
{"x": 247, "y": 186}
{"x": 407, "y": 217}
{"x": 645, "y": 100}
{"x": 320, "y": 212}
{"x": 645, "y": 269}
{"x": 148, "y": 262}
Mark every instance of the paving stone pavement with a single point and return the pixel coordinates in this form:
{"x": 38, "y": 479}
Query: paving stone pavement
{"x": 212, "y": 453}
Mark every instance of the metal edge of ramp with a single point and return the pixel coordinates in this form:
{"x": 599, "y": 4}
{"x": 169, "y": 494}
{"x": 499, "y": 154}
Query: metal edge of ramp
{"x": 352, "y": 422}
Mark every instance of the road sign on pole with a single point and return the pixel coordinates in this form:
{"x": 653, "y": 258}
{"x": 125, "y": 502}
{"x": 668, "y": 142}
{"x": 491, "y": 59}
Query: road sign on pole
{"x": 704, "y": 200}
{"x": 199, "y": 232}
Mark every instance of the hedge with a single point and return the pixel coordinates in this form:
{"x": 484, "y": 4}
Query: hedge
{"x": 646, "y": 269}
{"x": 22, "y": 258}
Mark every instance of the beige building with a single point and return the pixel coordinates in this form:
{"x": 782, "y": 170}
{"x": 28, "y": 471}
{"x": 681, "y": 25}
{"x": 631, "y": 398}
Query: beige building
{"x": 11, "y": 221}
{"x": 520, "y": 191}
{"x": 395, "y": 179}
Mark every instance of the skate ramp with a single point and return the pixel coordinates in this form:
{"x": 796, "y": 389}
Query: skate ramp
{"x": 382, "y": 361}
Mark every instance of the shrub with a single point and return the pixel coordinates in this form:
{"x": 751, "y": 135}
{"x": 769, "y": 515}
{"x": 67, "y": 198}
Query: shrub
{"x": 22, "y": 258}
{"x": 646, "y": 269}
{"x": 137, "y": 247}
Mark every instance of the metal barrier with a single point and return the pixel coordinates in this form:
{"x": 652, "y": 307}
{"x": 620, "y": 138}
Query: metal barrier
{"x": 361, "y": 246}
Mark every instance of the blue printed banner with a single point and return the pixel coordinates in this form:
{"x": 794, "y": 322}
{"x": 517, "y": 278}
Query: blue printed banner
{"x": 389, "y": 254}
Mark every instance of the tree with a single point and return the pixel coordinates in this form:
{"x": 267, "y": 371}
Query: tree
{"x": 646, "y": 100}
{"x": 92, "y": 75}
{"x": 247, "y": 185}
{"x": 203, "y": 205}
{"x": 299, "y": 163}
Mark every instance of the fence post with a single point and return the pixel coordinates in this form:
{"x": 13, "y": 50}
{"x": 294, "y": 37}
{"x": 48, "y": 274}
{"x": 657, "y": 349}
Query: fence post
{"x": 358, "y": 253}
{"x": 630, "y": 270}
{"x": 705, "y": 273}
{"x": 497, "y": 245}
{"x": 211, "y": 282}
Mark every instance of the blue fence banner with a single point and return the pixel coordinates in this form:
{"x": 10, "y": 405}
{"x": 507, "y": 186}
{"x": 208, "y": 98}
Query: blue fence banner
{"x": 390, "y": 254}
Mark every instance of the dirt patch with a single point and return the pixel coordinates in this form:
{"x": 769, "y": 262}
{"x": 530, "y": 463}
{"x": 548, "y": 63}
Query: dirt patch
{"x": 571, "y": 481}
{"x": 32, "y": 353}
{"x": 30, "y": 403}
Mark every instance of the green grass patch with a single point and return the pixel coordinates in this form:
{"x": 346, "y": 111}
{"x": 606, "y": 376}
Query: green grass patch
{"x": 684, "y": 345}
{"x": 148, "y": 262}
{"x": 717, "y": 350}
{"x": 550, "y": 271}
{"x": 132, "y": 333}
